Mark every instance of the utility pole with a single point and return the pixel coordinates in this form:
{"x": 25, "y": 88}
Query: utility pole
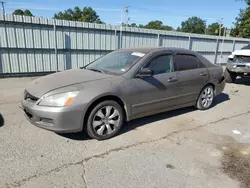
{"x": 3, "y": 7}
{"x": 127, "y": 18}
{"x": 220, "y": 22}
{"x": 222, "y": 45}
{"x": 120, "y": 42}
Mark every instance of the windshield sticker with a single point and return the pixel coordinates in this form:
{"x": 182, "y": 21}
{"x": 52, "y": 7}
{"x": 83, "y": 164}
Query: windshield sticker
{"x": 139, "y": 54}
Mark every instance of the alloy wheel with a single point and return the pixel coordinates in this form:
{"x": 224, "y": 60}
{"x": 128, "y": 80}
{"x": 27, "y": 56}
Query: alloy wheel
{"x": 106, "y": 120}
{"x": 207, "y": 97}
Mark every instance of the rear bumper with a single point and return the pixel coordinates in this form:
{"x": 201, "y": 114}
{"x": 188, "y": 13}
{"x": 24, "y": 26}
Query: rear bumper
{"x": 57, "y": 119}
{"x": 219, "y": 87}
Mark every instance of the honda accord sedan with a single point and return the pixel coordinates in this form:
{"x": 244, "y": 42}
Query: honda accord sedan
{"x": 123, "y": 85}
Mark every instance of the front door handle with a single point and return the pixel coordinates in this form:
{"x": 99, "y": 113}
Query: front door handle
{"x": 203, "y": 74}
{"x": 172, "y": 79}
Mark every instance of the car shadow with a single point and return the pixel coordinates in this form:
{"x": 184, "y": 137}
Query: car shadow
{"x": 243, "y": 81}
{"x": 75, "y": 136}
{"x": 222, "y": 97}
{"x": 134, "y": 124}
{"x": 1, "y": 120}
{"x": 146, "y": 120}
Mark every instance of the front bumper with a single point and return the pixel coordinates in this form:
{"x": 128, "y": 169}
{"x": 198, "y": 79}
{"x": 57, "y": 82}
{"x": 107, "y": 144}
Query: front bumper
{"x": 57, "y": 119}
{"x": 239, "y": 67}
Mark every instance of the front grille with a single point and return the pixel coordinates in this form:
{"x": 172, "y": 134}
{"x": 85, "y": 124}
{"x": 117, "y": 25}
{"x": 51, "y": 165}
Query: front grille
{"x": 241, "y": 65}
{"x": 241, "y": 59}
{"x": 28, "y": 96}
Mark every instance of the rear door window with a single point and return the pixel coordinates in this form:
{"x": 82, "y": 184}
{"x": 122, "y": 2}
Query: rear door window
{"x": 186, "y": 62}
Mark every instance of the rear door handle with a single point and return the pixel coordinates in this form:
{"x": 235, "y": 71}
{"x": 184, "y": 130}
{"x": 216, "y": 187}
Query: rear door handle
{"x": 172, "y": 79}
{"x": 203, "y": 74}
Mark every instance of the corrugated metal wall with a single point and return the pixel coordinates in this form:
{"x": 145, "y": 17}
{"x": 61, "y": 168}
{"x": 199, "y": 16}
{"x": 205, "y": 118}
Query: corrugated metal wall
{"x": 34, "y": 44}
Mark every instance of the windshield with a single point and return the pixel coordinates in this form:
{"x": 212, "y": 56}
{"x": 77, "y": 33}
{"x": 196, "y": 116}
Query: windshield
{"x": 116, "y": 62}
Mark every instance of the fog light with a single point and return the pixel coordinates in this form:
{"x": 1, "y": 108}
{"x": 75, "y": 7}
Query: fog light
{"x": 235, "y": 66}
{"x": 47, "y": 120}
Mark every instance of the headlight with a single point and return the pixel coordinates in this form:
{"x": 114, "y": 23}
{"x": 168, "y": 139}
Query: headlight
{"x": 59, "y": 100}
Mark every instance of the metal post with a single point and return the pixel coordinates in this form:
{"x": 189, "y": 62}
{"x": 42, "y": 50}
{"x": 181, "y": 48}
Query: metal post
{"x": 220, "y": 30}
{"x": 233, "y": 46}
{"x": 116, "y": 46}
{"x": 56, "y": 55}
{"x": 158, "y": 39}
{"x": 7, "y": 44}
{"x": 1, "y": 65}
{"x": 216, "y": 51}
{"x": 222, "y": 45}
{"x": 121, "y": 31}
{"x": 189, "y": 43}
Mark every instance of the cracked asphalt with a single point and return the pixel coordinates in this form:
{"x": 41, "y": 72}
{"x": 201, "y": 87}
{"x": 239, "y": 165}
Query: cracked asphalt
{"x": 182, "y": 148}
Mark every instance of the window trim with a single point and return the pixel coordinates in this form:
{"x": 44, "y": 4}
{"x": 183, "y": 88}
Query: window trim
{"x": 156, "y": 56}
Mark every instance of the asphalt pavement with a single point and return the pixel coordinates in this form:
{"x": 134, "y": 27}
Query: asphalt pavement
{"x": 182, "y": 148}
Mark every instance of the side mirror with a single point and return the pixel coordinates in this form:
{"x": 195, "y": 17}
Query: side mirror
{"x": 145, "y": 72}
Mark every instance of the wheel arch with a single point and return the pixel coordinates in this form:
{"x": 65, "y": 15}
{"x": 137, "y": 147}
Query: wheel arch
{"x": 207, "y": 84}
{"x": 197, "y": 100}
{"x": 105, "y": 98}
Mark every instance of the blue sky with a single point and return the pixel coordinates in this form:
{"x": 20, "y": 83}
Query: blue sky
{"x": 171, "y": 12}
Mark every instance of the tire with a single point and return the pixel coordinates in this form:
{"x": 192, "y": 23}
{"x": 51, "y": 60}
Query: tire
{"x": 206, "y": 97}
{"x": 105, "y": 120}
{"x": 230, "y": 76}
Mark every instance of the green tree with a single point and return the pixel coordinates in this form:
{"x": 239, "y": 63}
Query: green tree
{"x": 18, "y": 12}
{"x": 27, "y": 13}
{"x": 194, "y": 25}
{"x": 23, "y": 13}
{"x": 214, "y": 29}
{"x": 87, "y": 14}
{"x": 157, "y": 25}
{"x": 242, "y": 23}
{"x": 133, "y": 25}
{"x": 141, "y": 26}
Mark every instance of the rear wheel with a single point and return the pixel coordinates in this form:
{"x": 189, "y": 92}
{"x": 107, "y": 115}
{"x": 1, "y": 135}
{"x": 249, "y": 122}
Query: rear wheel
{"x": 230, "y": 76}
{"x": 206, "y": 98}
{"x": 105, "y": 120}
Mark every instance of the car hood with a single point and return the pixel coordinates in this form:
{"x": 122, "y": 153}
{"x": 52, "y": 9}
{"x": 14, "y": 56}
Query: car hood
{"x": 58, "y": 80}
{"x": 241, "y": 52}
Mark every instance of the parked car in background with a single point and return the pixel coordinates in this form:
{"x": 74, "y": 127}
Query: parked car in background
{"x": 238, "y": 64}
{"x": 123, "y": 85}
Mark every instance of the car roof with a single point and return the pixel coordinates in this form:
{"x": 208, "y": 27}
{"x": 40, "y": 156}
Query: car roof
{"x": 146, "y": 50}
{"x": 157, "y": 49}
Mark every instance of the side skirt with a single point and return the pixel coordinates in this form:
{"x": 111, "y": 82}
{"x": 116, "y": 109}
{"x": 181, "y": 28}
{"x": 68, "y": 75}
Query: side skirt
{"x": 161, "y": 110}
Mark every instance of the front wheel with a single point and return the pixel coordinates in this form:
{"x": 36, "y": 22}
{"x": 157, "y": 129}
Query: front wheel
{"x": 206, "y": 98}
{"x": 105, "y": 120}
